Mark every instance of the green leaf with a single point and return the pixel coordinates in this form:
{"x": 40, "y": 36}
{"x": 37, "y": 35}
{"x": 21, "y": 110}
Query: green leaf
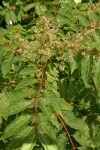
{"x": 53, "y": 71}
{"x": 53, "y": 101}
{"x": 64, "y": 19}
{"x": 19, "y": 14}
{"x": 28, "y": 71}
{"x": 7, "y": 63}
{"x": 85, "y": 148}
{"x": 75, "y": 123}
{"x": 25, "y": 82}
{"x": 13, "y": 17}
{"x": 71, "y": 3}
{"x": 29, "y": 6}
{"x": 47, "y": 142}
{"x": 62, "y": 141}
{"x": 97, "y": 139}
{"x": 3, "y": 103}
{"x": 3, "y": 31}
{"x": 85, "y": 101}
{"x": 17, "y": 107}
{"x": 96, "y": 36}
{"x": 1, "y": 8}
{"x": 73, "y": 66}
{"x": 63, "y": 88}
{"x": 94, "y": 16}
{"x": 51, "y": 77}
{"x": 77, "y": 1}
{"x": 65, "y": 105}
{"x": 83, "y": 6}
{"x": 20, "y": 138}
{"x": 30, "y": 143}
{"x": 96, "y": 74}
{"x": 7, "y": 17}
{"x": 80, "y": 125}
{"x": 38, "y": 9}
{"x": 84, "y": 139}
{"x": 85, "y": 70}
{"x": 1, "y": 54}
{"x": 0, "y": 121}
{"x": 46, "y": 127}
{"x": 71, "y": 92}
{"x": 45, "y": 109}
{"x": 18, "y": 95}
{"x": 84, "y": 20}
{"x": 16, "y": 125}
{"x": 48, "y": 111}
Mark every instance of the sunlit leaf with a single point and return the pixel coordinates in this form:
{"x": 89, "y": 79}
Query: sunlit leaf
{"x": 3, "y": 31}
{"x": 47, "y": 142}
{"x": 29, "y": 144}
{"x": 20, "y": 138}
{"x": 17, "y": 107}
{"x": 25, "y": 82}
{"x": 29, "y": 6}
{"x": 84, "y": 20}
{"x": 38, "y": 9}
{"x": 84, "y": 139}
{"x": 16, "y": 125}
{"x": 7, "y": 63}
{"x": 7, "y": 17}
{"x": 96, "y": 72}
{"x": 85, "y": 70}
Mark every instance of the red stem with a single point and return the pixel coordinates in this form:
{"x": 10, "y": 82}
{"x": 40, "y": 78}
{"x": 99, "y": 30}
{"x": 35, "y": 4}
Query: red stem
{"x": 69, "y": 137}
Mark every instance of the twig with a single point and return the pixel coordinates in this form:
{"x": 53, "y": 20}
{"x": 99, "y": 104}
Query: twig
{"x": 57, "y": 9}
{"x": 38, "y": 93}
{"x": 86, "y": 31}
{"x": 62, "y": 122}
{"x": 8, "y": 85}
{"x": 16, "y": 51}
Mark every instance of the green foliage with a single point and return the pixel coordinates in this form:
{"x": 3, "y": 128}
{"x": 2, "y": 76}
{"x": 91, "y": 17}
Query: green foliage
{"x": 49, "y": 75}
{"x": 16, "y": 125}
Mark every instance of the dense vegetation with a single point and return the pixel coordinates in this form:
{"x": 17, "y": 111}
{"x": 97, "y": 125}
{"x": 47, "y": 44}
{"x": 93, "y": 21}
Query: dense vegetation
{"x": 50, "y": 75}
